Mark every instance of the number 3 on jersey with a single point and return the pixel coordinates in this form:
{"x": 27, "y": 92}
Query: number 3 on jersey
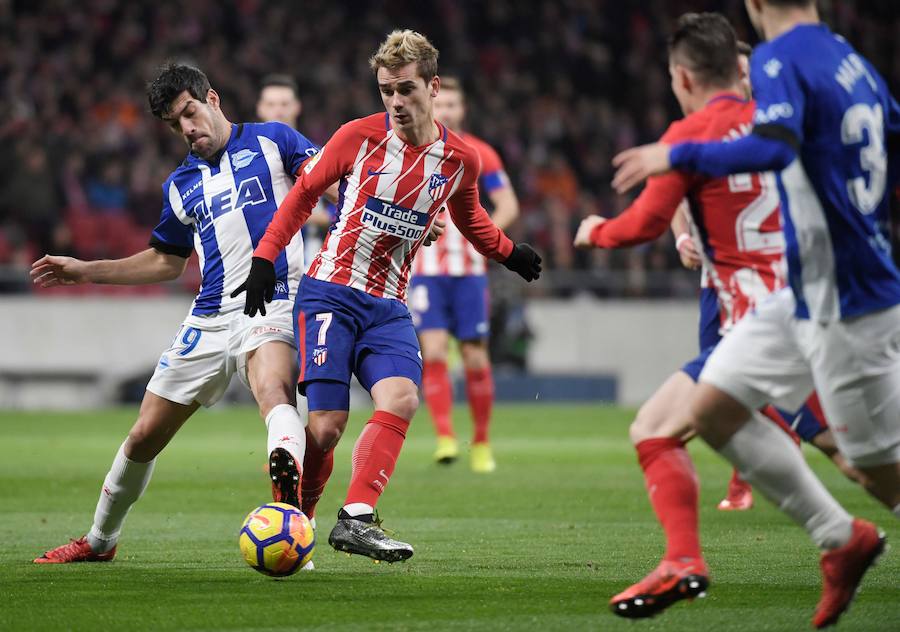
{"x": 872, "y": 156}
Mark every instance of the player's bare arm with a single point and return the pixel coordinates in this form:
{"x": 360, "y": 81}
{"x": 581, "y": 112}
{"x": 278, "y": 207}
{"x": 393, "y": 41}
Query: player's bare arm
{"x": 148, "y": 266}
{"x": 506, "y": 207}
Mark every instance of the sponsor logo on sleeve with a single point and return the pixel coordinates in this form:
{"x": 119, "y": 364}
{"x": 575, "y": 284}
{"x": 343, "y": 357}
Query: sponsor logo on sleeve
{"x": 772, "y": 67}
{"x": 773, "y": 113}
{"x": 313, "y": 161}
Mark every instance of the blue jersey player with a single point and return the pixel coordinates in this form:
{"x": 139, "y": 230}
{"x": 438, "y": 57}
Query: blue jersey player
{"x": 827, "y": 123}
{"x": 218, "y": 202}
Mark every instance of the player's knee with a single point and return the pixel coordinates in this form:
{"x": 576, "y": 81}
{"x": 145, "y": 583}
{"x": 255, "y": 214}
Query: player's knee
{"x": 647, "y": 424}
{"x": 434, "y": 345}
{"x": 434, "y": 353}
{"x": 272, "y": 395}
{"x": 142, "y": 445}
{"x": 327, "y": 438}
{"x": 327, "y": 427}
{"x": 474, "y": 355}
{"x": 405, "y": 404}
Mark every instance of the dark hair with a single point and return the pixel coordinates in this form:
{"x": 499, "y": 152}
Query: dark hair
{"x": 743, "y": 48}
{"x": 802, "y": 4}
{"x": 451, "y": 82}
{"x": 281, "y": 81}
{"x": 174, "y": 78}
{"x": 707, "y": 45}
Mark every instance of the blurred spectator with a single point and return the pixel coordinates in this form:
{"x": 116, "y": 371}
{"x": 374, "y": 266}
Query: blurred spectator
{"x": 557, "y": 86}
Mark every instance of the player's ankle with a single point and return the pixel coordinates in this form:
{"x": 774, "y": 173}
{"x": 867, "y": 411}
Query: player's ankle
{"x": 100, "y": 544}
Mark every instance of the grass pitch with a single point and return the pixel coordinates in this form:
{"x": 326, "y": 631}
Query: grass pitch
{"x": 540, "y": 545}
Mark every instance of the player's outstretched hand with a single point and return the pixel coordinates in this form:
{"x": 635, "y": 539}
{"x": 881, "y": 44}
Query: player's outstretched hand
{"x": 635, "y": 165}
{"x": 583, "y": 234}
{"x": 53, "y": 270}
{"x": 524, "y": 261}
{"x": 437, "y": 229}
{"x": 260, "y": 286}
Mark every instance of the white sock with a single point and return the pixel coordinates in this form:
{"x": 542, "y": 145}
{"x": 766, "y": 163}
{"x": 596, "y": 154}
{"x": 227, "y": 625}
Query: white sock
{"x": 286, "y": 430}
{"x": 358, "y": 509}
{"x": 769, "y": 460}
{"x": 123, "y": 486}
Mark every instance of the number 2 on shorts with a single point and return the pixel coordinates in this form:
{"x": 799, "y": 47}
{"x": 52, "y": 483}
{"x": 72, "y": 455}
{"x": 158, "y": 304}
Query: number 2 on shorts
{"x": 325, "y": 319}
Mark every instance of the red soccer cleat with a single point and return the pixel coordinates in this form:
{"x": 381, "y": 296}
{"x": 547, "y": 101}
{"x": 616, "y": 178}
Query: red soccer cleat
{"x": 75, "y": 551}
{"x": 669, "y": 582}
{"x": 739, "y": 496}
{"x": 843, "y": 569}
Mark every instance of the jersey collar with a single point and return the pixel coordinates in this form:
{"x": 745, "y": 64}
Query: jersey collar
{"x": 726, "y": 95}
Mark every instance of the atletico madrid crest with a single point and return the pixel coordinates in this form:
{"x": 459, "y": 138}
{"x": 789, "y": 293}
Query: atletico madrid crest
{"x": 436, "y": 186}
{"x": 319, "y": 355}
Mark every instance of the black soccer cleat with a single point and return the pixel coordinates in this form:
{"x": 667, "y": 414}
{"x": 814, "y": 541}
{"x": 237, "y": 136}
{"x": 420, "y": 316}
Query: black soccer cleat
{"x": 285, "y": 477}
{"x": 364, "y": 536}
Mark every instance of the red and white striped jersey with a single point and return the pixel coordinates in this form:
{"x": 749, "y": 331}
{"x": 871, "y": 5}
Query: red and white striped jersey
{"x": 390, "y": 194}
{"x": 452, "y": 255}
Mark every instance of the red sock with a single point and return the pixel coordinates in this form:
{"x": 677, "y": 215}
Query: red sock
{"x": 374, "y": 457}
{"x": 438, "y": 394}
{"x": 736, "y": 481}
{"x": 317, "y": 467}
{"x": 673, "y": 490}
{"x": 480, "y": 390}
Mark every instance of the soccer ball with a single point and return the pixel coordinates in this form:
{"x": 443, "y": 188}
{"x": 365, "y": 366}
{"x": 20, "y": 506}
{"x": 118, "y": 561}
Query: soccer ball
{"x": 277, "y": 539}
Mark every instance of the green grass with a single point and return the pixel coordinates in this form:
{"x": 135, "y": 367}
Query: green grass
{"x": 540, "y": 545}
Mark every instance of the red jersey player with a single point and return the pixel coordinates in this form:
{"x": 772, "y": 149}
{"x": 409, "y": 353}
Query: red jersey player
{"x": 449, "y": 294}
{"x": 396, "y": 170}
{"x": 738, "y": 222}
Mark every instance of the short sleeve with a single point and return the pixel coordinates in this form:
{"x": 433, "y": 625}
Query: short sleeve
{"x": 174, "y": 235}
{"x": 779, "y": 95}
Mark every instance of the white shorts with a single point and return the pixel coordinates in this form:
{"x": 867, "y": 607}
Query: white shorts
{"x": 771, "y": 356}
{"x": 208, "y": 350}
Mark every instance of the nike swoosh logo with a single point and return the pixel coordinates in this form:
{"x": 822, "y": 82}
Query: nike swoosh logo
{"x": 372, "y": 172}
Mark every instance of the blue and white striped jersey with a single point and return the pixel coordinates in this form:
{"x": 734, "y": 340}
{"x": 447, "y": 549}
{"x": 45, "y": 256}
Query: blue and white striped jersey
{"x": 221, "y": 209}
{"x": 815, "y": 91}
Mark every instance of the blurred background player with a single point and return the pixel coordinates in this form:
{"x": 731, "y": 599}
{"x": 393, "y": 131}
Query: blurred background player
{"x": 396, "y": 170}
{"x": 449, "y": 295}
{"x": 827, "y": 124}
{"x": 218, "y": 202}
{"x": 279, "y": 100}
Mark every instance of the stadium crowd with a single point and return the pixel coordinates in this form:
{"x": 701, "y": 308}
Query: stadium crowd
{"x": 556, "y": 86}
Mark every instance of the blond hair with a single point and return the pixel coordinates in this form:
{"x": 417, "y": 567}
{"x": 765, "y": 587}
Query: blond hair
{"x": 403, "y": 47}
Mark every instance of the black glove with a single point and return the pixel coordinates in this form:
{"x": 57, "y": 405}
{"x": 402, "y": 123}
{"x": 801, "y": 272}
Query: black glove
{"x": 524, "y": 261}
{"x": 260, "y": 286}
